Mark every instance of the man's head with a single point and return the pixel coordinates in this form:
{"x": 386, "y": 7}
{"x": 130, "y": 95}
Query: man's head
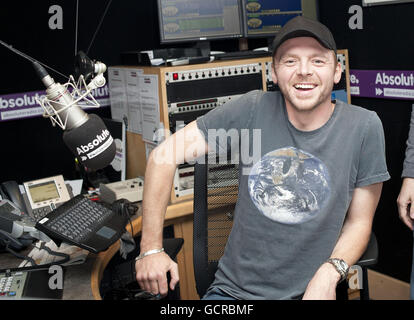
{"x": 305, "y": 64}
{"x": 304, "y": 27}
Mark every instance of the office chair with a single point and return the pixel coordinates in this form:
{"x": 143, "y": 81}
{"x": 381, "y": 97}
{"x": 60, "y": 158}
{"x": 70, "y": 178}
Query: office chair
{"x": 215, "y": 196}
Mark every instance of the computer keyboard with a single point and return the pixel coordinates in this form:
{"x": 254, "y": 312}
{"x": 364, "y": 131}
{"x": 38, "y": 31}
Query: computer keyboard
{"x": 242, "y": 54}
{"x": 83, "y": 223}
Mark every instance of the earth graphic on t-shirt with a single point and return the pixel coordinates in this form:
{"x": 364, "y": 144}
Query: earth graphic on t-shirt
{"x": 289, "y": 185}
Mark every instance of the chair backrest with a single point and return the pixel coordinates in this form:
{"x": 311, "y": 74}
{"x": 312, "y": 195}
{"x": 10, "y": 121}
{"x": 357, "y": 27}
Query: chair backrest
{"x": 215, "y": 197}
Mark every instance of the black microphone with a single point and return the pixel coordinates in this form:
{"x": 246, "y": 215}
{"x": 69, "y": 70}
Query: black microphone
{"x": 85, "y": 135}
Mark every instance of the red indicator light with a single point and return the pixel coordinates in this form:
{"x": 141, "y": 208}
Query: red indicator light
{"x": 175, "y": 76}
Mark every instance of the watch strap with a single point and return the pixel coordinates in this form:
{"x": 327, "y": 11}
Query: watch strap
{"x": 340, "y": 266}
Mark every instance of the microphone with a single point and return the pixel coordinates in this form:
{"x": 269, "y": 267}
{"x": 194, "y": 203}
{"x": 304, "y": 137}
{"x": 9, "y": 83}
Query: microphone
{"x": 84, "y": 134}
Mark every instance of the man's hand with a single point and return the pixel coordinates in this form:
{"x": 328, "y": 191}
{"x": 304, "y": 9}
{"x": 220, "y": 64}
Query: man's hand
{"x": 405, "y": 202}
{"x": 151, "y": 273}
{"x": 323, "y": 284}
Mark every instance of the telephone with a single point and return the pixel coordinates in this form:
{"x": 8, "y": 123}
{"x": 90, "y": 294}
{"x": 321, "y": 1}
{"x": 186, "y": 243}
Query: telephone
{"x": 17, "y": 229}
{"x": 9, "y": 190}
{"x": 44, "y": 195}
{"x": 14, "y": 218}
{"x": 20, "y": 212}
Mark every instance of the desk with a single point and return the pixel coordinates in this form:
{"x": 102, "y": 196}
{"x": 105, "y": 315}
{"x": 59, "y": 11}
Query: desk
{"x": 81, "y": 282}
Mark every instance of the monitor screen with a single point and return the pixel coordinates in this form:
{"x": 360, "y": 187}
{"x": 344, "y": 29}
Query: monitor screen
{"x": 44, "y": 191}
{"x": 195, "y": 20}
{"x": 264, "y": 18}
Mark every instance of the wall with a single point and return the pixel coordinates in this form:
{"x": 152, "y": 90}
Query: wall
{"x": 32, "y": 148}
{"x": 385, "y": 42}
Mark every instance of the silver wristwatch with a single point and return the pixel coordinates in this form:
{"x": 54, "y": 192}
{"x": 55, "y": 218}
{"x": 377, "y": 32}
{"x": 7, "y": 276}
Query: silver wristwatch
{"x": 341, "y": 266}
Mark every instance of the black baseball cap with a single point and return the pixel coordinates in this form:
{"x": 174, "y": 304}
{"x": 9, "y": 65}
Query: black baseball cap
{"x": 304, "y": 27}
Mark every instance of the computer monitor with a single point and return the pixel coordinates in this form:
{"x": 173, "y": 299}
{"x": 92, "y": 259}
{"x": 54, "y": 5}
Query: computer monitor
{"x": 264, "y": 18}
{"x": 198, "y": 20}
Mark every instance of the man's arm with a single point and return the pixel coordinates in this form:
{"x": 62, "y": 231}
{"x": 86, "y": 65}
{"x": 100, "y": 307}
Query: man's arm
{"x": 406, "y": 197}
{"x": 185, "y": 145}
{"x": 405, "y": 202}
{"x": 351, "y": 244}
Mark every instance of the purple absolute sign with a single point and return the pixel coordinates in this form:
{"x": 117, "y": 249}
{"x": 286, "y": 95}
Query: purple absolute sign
{"x": 24, "y": 105}
{"x": 385, "y": 84}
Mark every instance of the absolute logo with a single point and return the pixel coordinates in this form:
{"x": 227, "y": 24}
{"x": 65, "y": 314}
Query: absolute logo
{"x": 101, "y": 92}
{"x": 94, "y": 143}
{"x": 398, "y": 80}
{"x": 29, "y": 99}
{"x": 20, "y": 101}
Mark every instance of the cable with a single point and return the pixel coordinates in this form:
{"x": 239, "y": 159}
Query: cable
{"x": 126, "y": 209}
{"x": 131, "y": 209}
{"x": 99, "y": 26}
{"x": 27, "y": 57}
{"x": 66, "y": 257}
{"x": 20, "y": 256}
{"x": 34, "y": 265}
{"x": 76, "y": 27}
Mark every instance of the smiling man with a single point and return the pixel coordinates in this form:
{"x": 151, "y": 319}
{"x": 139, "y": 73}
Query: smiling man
{"x": 305, "y": 209}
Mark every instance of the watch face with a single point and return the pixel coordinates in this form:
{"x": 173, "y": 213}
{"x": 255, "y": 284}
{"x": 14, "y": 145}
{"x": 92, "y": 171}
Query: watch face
{"x": 343, "y": 265}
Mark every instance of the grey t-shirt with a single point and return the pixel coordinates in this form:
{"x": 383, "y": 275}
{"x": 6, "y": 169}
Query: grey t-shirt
{"x": 294, "y": 197}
